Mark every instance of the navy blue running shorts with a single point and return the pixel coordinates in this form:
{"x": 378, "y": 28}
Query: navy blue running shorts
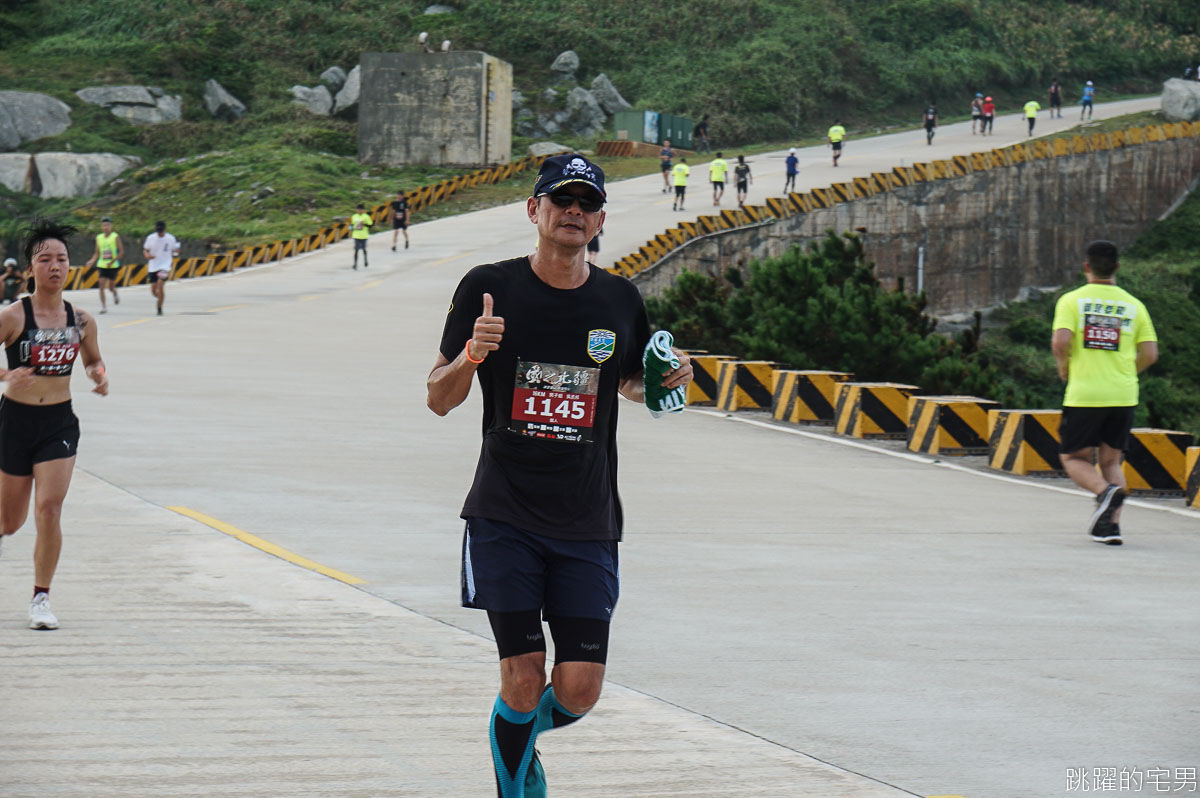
{"x": 505, "y": 569}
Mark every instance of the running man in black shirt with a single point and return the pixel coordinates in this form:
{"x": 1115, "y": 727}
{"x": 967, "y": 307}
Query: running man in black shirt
{"x": 552, "y": 341}
{"x": 931, "y": 122}
{"x": 741, "y": 173}
{"x": 399, "y": 219}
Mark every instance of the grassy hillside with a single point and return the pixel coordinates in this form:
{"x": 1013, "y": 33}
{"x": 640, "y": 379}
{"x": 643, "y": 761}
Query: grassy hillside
{"x": 766, "y": 70}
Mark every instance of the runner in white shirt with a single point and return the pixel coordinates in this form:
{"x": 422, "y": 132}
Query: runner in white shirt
{"x": 160, "y": 249}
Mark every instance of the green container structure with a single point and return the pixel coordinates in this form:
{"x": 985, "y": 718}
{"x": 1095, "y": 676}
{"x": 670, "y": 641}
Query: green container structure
{"x": 653, "y": 128}
{"x": 633, "y": 125}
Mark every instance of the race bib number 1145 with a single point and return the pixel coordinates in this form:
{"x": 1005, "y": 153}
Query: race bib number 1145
{"x": 555, "y": 402}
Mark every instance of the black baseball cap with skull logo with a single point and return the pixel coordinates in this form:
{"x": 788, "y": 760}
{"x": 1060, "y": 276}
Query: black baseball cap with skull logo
{"x": 561, "y": 170}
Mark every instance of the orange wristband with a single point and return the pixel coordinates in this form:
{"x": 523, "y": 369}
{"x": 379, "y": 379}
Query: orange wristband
{"x": 467, "y": 352}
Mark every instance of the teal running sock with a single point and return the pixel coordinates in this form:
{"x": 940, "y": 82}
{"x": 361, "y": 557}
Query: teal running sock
{"x": 512, "y": 734}
{"x": 657, "y": 360}
{"x": 551, "y": 714}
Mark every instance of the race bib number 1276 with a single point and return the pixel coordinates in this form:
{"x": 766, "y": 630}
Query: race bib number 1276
{"x": 555, "y": 402}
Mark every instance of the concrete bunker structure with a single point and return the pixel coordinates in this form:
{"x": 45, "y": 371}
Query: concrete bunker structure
{"x": 436, "y": 109}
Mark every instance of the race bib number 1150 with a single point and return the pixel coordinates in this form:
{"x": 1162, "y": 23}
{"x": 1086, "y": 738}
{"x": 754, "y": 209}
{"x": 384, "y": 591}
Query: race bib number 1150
{"x": 555, "y": 402}
{"x": 1101, "y": 332}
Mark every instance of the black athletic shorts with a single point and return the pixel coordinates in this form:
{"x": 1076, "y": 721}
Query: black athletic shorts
{"x": 154, "y": 277}
{"x": 665, "y": 166}
{"x": 399, "y": 224}
{"x": 1086, "y": 427}
{"x": 679, "y": 190}
{"x": 505, "y": 569}
{"x": 108, "y": 274}
{"x": 360, "y": 243}
{"x": 1055, "y": 102}
{"x": 34, "y": 434}
{"x": 837, "y": 146}
{"x": 718, "y": 184}
{"x": 743, "y": 186}
{"x": 977, "y": 116}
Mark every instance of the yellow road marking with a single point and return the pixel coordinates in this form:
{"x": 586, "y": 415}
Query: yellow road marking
{"x": 227, "y": 307}
{"x": 369, "y": 285}
{"x": 452, "y": 257}
{"x": 129, "y": 323}
{"x": 267, "y": 546}
{"x": 309, "y": 298}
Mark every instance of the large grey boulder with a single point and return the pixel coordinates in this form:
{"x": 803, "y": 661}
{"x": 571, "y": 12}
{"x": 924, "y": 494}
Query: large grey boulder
{"x": 1181, "y": 100}
{"x": 318, "y": 100}
{"x": 141, "y": 105}
{"x": 565, "y": 65}
{"x": 107, "y": 96}
{"x": 540, "y": 148}
{"x": 62, "y": 174}
{"x": 221, "y": 104}
{"x": 585, "y": 117}
{"x": 13, "y": 169}
{"x": 346, "y": 102}
{"x": 34, "y": 116}
{"x": 69, "y": 174}
{"x": 607, "y": 95}
{"x": 10, "y": 139}
{"x": 334, "y": 78}
{"x": 518, "y": 99}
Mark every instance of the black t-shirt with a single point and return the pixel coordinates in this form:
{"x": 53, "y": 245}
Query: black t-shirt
{"x": 548, "y": 463}
{"x": 742, "y": 172}
{"x": 930, "y": 115}
{"x": 400, "y": 206}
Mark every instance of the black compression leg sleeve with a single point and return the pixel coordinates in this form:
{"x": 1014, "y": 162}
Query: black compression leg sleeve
{"x": 518, "y": 632}
{"x": 580, "y": 640}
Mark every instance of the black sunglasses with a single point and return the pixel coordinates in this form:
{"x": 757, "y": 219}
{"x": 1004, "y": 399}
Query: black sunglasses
{"x": 565, "y": 199}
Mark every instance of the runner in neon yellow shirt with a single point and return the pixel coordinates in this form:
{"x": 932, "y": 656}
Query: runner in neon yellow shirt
{"x": 1103, "y": 338}
{"x": 836, "y": 134}
{"x": 1031, "y": 109}
{"x": 717, "y": 169}
{"x": 107, "y": 260}
{"x": 360, "y": 229}
{"x": 679, "y": 173}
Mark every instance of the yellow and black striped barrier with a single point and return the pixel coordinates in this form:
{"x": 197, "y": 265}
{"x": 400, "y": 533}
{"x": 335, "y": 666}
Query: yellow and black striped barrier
{"x": 955, "y": 425}
{"x": 1155, "y": 461}
{"x": 872, "y": 409}
{"x": 806, "y": 397}
{"x": 1025, "y": 442}
{"x": 1191, "y": 491}
{"x": 702, "y": 390}
{"x": 744, "y": 384}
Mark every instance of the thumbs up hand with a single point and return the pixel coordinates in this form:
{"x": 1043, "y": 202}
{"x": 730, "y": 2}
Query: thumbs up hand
{"x": 489, "y": 330}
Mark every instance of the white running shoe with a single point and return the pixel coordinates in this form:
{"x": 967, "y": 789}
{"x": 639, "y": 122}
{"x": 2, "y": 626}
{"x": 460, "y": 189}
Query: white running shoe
{"x": 40, "y": 616}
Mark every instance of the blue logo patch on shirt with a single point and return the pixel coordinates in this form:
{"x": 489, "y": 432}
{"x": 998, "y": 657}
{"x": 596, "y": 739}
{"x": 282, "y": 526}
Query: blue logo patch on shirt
{"x": 601, "y": 344}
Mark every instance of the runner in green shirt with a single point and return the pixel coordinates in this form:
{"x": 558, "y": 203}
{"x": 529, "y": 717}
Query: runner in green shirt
{"x": 360, "y": 229}
{"x": 680, "y": 175}
{"x": 1031, "y": 109}
{"x": 1103, "y": 338}
{"x": 717, "y": 169}
{"x": 107, "y": 260}
{"x": 836, "y": 134}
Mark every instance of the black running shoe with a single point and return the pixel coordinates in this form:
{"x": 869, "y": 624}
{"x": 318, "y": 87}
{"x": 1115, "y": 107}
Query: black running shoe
{"x": 1100, "y": 525}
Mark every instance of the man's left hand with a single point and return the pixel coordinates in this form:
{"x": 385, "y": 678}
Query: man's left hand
{"x": 682, "y": 375}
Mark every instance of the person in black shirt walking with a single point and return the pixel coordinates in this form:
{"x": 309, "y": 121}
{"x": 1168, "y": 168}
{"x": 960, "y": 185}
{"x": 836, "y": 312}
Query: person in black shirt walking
{"x": 399, "y": 219}
{"x": 552, "y": 341}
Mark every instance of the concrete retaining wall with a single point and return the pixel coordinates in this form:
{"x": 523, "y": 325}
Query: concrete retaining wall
{"x": 990, "y": 224}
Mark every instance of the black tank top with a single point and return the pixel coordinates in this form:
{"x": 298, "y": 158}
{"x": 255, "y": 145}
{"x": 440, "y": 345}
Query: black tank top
{"x": 51, "y": 352}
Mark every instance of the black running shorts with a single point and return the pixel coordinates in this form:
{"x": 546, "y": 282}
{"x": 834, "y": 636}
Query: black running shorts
{"x": 109, "y": 274}
{"x": 679, "y": 190}
{"x": 1086, "y": 427}
{"x": 360, "y": 243}
{"x": 34, "y": 434}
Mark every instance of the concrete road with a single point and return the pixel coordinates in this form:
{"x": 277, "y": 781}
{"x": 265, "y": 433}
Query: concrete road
{"x": 920, "y": 629}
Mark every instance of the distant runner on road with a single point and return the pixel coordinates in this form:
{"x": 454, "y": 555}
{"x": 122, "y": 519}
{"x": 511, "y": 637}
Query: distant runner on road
{"x": 552, "y": 341}
{"x": 360, "y": 230}
{"x": 1055, "y": 98}
{"x": 399, "y": 214}
{"x": 1031, "y": 111}
{"x": 665, "y": 155}
{"x": 680, "y": 174}
{"x": 989, "y": 116}
{"x": 792, "y": 165}
{"x": 160, "y": 248}
{"x": 836, "y": 136}
{"x": 1103, "y": 338}
{"x": 39, "y": 433}
{"x": 1089, "y": 95}
{"x": 718, "y": 168}
{"x": 977, "y": 112}
{"x": 107, "y": 260}
{"x": 930, "y": 118}
{"x": 741, "y": 173}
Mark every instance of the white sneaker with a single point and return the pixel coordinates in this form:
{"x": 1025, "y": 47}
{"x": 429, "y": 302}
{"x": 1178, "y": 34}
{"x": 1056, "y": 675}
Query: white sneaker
{"x": 40, "y": 616}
